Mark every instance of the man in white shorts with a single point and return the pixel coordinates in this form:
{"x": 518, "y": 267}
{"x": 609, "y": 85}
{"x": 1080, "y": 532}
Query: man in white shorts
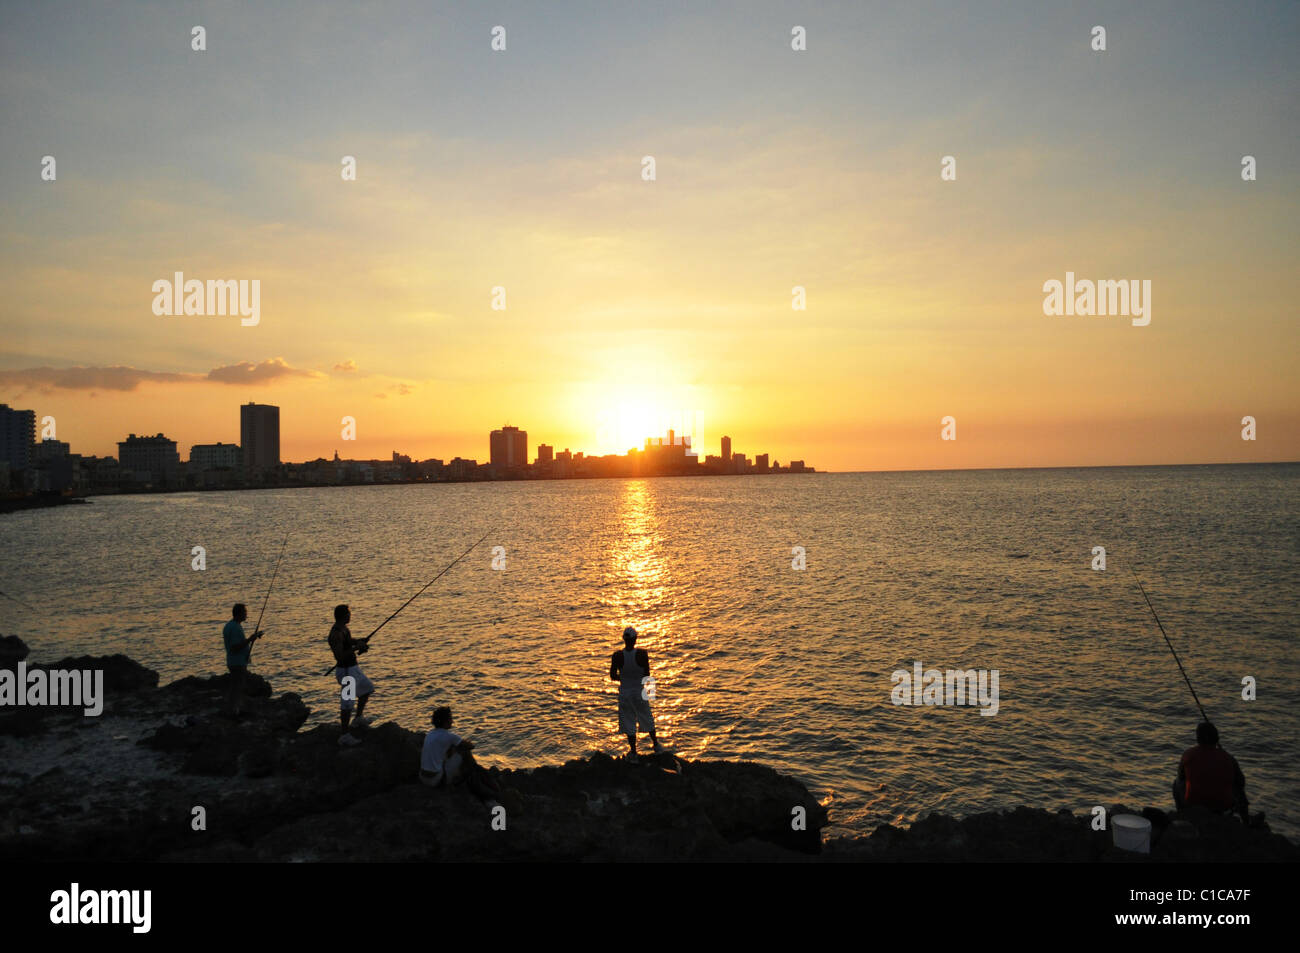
{"x": 630, "y": 667}
{"x": 356, "y": 692}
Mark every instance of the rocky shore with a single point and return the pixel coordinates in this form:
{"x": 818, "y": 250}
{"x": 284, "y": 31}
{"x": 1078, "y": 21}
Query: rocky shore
{"x": 133, "y": 784}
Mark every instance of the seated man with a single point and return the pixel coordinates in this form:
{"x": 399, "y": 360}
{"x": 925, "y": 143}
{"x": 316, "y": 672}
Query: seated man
{"x": 1210, "y": 777}
{"x": 446, "y": 759}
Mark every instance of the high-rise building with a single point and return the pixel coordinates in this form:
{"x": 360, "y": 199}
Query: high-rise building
{"x": 760, "y": 462}
{"x": 149, "y": 459}
{"x": 508, "y": 447}
{"x": 545, "y": 453}
{"x": 259, "y": 436}
{"x": 726, "y": 449}
{"x": 17, "y": 437}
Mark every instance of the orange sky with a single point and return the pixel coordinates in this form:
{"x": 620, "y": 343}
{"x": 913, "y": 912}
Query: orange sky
{"x": 634, "y": 304}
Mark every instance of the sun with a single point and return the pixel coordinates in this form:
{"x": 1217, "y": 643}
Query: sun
{"x": 626, "y": 425}
{"x": 622, "y": 416}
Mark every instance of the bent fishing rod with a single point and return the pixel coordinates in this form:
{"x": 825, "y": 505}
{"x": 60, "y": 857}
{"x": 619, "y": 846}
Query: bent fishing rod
{"x": 1171, "y": 645}
{"x": 17, "y": 600}
{"x": 258, "y": 627}
{"x": 367, "y": 639}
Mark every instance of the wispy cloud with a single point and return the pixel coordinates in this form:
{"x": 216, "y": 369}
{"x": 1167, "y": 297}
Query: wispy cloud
{"x": 246, "y": 372}
{"x": 120, "y": 377}
{"x": 117, "y": 377}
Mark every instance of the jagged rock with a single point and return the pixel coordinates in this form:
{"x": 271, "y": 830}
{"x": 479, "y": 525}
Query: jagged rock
{"x": 259, "y": 761}
{"x": 220, "y": 745}
{"x": 212, "y": 758}
{"x": 255, "y": 686}
{"x": 22, "y": 722}
{"x": 126, "y": 786}
{"x": 12, "y": 651}
{"x": 1029, "y": 835}
{"x": 273, "y": 792}
{"x": 121, "y": 674}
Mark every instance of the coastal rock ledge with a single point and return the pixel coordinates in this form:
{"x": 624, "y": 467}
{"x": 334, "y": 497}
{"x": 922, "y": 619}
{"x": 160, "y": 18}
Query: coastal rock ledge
{"x": 125, "y": 786}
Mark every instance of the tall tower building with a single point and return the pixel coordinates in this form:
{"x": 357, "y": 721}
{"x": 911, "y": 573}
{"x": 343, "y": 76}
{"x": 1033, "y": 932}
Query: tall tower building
{"x": 508, "y": 447}
{"x": 17, "y": 437}
{"x": 259, "y": 436}
{"x": 726, "y": 449}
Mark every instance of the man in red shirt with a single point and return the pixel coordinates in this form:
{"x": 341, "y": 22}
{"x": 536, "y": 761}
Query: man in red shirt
{"x": 1210, "y": 777}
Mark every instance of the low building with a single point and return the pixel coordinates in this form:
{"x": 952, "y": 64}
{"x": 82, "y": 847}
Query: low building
{"x": 151, "y": 461}
{"x": 216, "y": 456}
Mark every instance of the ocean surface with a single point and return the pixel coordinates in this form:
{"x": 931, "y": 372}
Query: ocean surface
{"x": 752, "y": 658}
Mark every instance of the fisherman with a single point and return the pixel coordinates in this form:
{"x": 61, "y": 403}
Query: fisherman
{"x": 1210, "y": 777}
{"x": 346, "y": 650}
{"x": 238, "y": 652}
{"x": 630, "y": 667}
{"x": 447, "y": 759}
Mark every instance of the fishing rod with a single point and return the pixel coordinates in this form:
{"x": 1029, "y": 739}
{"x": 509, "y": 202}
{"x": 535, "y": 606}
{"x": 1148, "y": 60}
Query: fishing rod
{"x": 1170, "y": 644}
{"x": 17, "y": 600}
{"x": 367, "y": 639}
{"x": 258, "y": 627}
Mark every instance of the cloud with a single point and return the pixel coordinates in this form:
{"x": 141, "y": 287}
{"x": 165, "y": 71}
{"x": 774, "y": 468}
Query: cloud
{"x": 400, "y": 389}
{"x": 246, "y": 372}
{"x": 117, "y": 377}
{"x": 346, "y": 367}
{"x": 120, "y": 377}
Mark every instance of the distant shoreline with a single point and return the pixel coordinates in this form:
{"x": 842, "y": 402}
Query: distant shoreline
{"x": 18, "y": 504}
{"x": 15, "y": 504}
{"x": 34, "y": 502}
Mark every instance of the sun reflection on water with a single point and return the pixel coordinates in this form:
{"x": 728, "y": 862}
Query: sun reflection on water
{"x": 638, "y": 590}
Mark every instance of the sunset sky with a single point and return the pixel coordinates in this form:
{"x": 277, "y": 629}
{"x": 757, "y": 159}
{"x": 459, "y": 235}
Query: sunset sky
{"x": 635, "y": 304}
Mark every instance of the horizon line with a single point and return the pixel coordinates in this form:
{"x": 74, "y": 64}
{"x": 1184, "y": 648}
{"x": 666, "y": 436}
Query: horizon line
{"x": 1076, "y": 466}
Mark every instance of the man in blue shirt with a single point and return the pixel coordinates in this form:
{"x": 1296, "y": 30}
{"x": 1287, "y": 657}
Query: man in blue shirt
{"x": 238, "y": 651}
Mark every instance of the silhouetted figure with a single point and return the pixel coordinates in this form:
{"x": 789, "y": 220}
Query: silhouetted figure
{"x": 346, "y": 649}
{"x": 630, "y": 667}
{"x": 238, "y": 652}
{"x": 447, "y": 759}
{"x": 1210, "y": 777}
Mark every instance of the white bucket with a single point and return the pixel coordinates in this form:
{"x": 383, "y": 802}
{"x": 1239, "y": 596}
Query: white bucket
{"x": 1130, "y": 832}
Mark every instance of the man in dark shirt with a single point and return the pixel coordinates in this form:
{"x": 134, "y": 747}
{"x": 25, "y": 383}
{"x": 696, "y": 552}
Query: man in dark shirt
{"x": 1210, "y": 777}
{"x": 238, "y": 652}
{"x": 355, "y": 688}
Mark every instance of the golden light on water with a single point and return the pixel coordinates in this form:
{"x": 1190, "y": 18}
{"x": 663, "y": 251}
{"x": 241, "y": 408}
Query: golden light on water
{"x": 636, "y": 564}
{"x": 637, "y": 591}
